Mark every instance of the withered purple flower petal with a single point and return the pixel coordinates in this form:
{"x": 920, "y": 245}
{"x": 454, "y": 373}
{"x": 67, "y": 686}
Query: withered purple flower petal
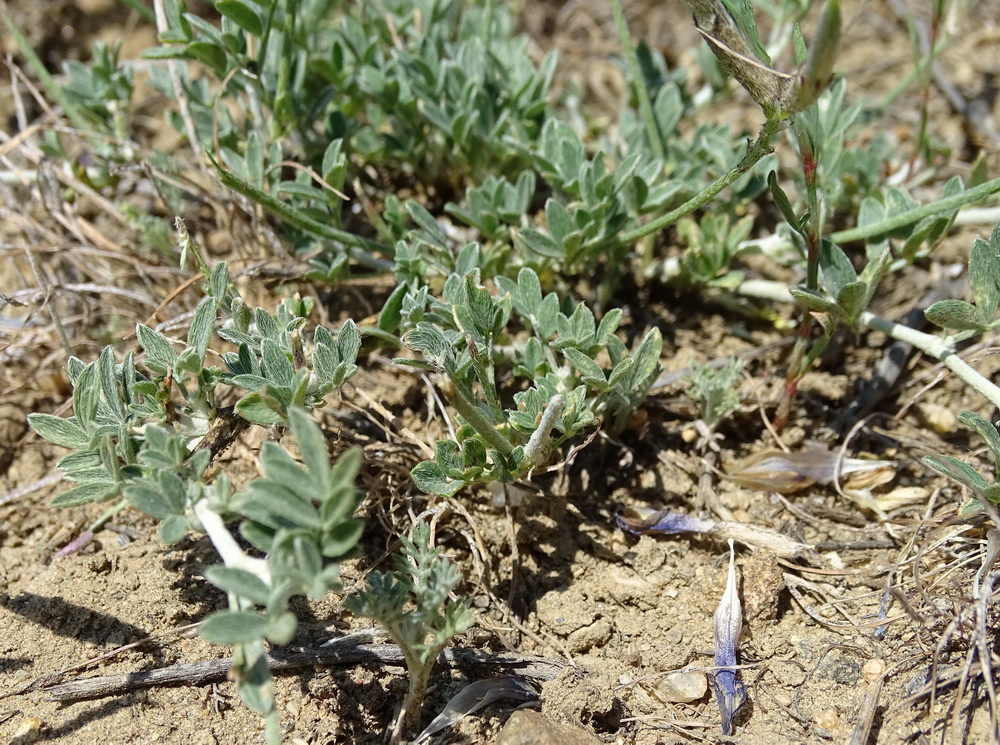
{"x": 638, "y": 521}
{"x": 729, "y": 690}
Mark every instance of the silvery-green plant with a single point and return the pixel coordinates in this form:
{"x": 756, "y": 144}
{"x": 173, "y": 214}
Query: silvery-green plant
{"x": 715, "y": 390}
{"x": 113, "y": 403}
{"x": 712, "y": 243}
{"x": 299, "y": 515}
{"x": 983, "y": 491}
{"x": 896, "y": 230}
{"x": 413, "y": 605}
{"x": 464, "y": 337}
{"x": 146, "y": 431}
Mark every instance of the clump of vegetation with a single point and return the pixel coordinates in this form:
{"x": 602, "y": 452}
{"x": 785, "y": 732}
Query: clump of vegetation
{"x": 413, "y": 605}
{"x": 506, "y": 262}
{"x": 715, "y": 390}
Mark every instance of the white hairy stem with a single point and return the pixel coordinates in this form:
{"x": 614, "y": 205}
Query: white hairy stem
{"x": 230, "y": 551}
{"x": 941, "y": 348}
{"x": 535, "y": 450}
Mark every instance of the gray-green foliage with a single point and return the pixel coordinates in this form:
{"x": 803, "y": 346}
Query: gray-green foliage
{"x": 440, "y": 97}
{"x": 712, "y": 244}
{"x": 147, "y": 436}
{"x": 573, "y": 368}
{"x": 413, "y": 605}
{"x": 983, "y": 491}
{"x": 113, "y": 403}
{"x": 103, "y": 88}
{"x": 435, "y": 86}
{"x": 984, "y": 281}
{"x": 715, "y": 390}
{"x": 301, "y": 517}
{"x": 440, "y": 91}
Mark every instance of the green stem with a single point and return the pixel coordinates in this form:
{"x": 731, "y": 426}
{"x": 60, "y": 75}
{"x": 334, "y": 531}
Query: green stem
{"x": 107, "y": 515}
{"x": 908, "y": 218}
{"x": 940, "y": 348}
{"x": 268, "y": 30}
{"x": 144, "y": 10}
{"x": 639, "y": 84}
{"x": 760, "y": 147}
{"x": 293, "y": 216}
{"x": 471, "y": 412}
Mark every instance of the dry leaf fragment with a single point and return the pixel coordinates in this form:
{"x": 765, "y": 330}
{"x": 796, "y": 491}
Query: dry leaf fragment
{"x": 477, "y": 695}
{"x": 640, "y": 521}
{"x": 785, "y": 473}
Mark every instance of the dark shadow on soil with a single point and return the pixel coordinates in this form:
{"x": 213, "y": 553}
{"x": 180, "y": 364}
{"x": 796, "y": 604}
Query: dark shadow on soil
{"x": 70, "y": 620}
{"x": 90, "y": 715}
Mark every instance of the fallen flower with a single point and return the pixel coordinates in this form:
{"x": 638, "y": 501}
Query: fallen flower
{"x": 476, "y": 696}
{"x": 729, "y": 690}
{"x": 640, "y": 520}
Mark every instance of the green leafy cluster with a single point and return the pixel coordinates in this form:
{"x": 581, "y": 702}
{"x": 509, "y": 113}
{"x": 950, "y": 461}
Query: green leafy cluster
{"x": 715, "y": 389}
{"x": 436, "y": 86}
{"x": 413, "y": 605}
{"x": 148, "y": 437}
{"x": 464, "y": 336}
{"x": 844, "y": 293}
{"x": 712, "y": 244}
{"x": 311, "y": 107}
{"x": 98, "y": 432}
{"x": 300, "y": 516}
{"x": 443, "y": 92}
{"x": 102, "y": 89}
{"x": 114, "y": 403}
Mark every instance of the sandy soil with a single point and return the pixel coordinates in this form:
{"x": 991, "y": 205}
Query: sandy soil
{"x": 552, "y": 577}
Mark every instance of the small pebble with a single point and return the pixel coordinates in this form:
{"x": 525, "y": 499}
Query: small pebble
{"x": 681, "y": 687}
{"x": 873, "y": 670}
{"x": 827, "y": 719}
{"x": 939, "y": 418}
{"x": 29, "y": 731}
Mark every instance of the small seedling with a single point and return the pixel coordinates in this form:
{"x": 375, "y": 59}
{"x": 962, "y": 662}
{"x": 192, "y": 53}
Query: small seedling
{"x": 715, "y": 390}
{"x": 413, "y": 605}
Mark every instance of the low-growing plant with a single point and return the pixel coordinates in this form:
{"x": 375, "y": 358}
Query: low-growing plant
{"x": 464, "y": 335}
{"x": 984, "y": 493}
{"x": 299, "y": 516}
{"x": 413, "y": 605}
{"x": 146, "y": 433}
{"x": 311, "y": 107}
{"x": 715, "y": 390}
{"x": 834, "y": 292}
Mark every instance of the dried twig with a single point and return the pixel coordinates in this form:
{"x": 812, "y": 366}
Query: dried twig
{"x": 347, "y": 652}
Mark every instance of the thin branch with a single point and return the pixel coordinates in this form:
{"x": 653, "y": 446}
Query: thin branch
{"x": 340, "y": 654}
